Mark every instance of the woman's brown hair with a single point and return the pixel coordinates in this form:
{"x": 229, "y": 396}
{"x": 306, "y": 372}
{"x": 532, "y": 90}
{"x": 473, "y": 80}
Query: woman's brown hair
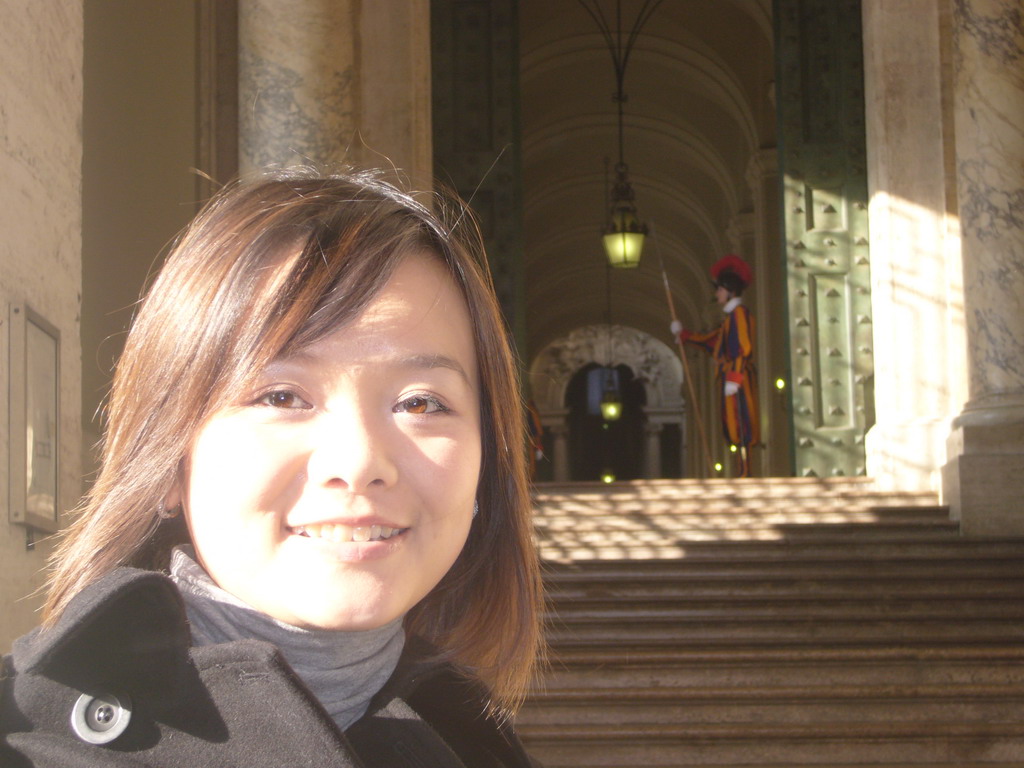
{"x": 267, "y": 268}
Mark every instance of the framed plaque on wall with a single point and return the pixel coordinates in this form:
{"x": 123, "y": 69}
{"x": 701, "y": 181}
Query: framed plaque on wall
{"x": 35, "y": 420}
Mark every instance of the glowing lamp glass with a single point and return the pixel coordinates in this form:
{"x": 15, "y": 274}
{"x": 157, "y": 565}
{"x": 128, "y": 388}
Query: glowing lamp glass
{"x": 624, "y": 239}
{"x": 623, "y": 249}
{"x": 611, "y": 410}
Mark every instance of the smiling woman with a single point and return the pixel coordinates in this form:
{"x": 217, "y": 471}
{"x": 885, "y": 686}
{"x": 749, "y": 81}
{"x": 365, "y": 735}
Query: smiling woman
{"x": 313, "y": 492}
{"x": 284, "y": 490}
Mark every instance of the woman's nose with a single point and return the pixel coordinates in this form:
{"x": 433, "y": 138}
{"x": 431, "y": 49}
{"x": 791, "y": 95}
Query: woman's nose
{"x": 352, "y": 452}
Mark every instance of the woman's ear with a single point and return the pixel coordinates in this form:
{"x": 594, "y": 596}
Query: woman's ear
{"x": 175, "y": 496}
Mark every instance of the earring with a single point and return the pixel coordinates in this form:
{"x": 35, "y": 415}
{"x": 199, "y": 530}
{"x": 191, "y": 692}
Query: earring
{"x": 476, "y": 508}
{"x": 166, "y": 514}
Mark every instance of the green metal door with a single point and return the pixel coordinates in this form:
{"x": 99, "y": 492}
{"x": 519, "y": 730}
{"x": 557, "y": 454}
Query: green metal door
{"x": 820, "y": 90}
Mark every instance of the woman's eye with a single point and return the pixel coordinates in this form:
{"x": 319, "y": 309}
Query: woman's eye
{"x": 282, "y": 399}
{"x": 421, "y": 404}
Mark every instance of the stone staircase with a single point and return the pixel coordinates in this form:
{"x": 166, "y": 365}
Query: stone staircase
{"x": 761, "y": 623}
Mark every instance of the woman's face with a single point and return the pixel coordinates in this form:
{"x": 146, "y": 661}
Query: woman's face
{"x": 340, "y": 490}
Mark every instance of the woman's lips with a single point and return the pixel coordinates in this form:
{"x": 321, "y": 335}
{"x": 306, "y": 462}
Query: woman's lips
{"x": 340, "y": 533}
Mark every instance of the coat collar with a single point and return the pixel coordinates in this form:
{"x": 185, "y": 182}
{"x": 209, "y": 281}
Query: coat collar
{"x": 130, "y": 624}
{"x": 128, "y": 630}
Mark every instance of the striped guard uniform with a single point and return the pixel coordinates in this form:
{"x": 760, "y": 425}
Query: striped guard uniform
{"x": 732, "y": 346}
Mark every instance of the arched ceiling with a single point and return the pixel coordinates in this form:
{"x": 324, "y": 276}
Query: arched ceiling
{"x": 699, "y": 85}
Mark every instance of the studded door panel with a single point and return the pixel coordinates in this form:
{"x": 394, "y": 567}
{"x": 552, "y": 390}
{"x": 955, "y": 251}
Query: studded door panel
{"x": 822, "y": 156}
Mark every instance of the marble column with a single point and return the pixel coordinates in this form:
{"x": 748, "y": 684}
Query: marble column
{"x": 684, "y": 443}
{"x": 775, "y": 460}
{"x": 335, "y": 82}
{"x": 652, "y": 450}
{"x": 296, "y": 82}
{"x": 916, "y": 289}
{"x": 560, "y": 448}
{"x": 982, "y": 480}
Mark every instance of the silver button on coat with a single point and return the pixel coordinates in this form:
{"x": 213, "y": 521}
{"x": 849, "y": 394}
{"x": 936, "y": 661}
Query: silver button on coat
{"x": 100, "y": 719}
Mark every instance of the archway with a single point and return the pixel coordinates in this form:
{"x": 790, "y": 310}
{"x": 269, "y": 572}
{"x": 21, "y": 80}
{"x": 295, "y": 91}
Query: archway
{"x": 654, "y": 377}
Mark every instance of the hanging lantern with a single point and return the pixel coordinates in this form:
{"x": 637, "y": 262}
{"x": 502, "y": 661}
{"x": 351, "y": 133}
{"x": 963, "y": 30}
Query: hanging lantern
{"x": 611, "y": 406}
{"x": 611, "y": 400}
{"x": 624, "y": 235}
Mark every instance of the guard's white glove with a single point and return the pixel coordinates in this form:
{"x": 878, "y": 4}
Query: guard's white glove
{"x": 731, "y": 388}
{"x": 676, "y": 327}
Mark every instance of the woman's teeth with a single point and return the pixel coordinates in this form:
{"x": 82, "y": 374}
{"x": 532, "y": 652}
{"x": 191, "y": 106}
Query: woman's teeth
{"x": 343, "y": 533}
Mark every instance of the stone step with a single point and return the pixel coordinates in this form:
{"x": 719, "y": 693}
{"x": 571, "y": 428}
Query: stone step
{"x": 781, "y": 706}
{"x": 826, "y": 550}
{"x": 657, "y": 537}
{"x": 785, "y": 510}
{"x": 836, "y": 588}
{"x": 604, "y": 501}
{"x": 674, "y": 519}
{"x": 717, "y": 489}
{"x": 644, "y": 656}
{"x": 935, "y": 743}
{"x": 765, "y": 671}
{"x": 649, "y": 573}
{"x": 641, "y": 614}
{"x": 785, "y": 630}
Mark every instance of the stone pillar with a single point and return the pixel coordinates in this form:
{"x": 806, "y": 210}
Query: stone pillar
{"x": 652, "y": 450}
{"x": 982, "y": 481}
{"x": 296, "y": 82}
{"x": 916, "y": 290}
{"x": 560, "y": 449}
{"x": 775, "y": 460}
{"x": 684, "y": 443}
{"x": 335, "y": 82}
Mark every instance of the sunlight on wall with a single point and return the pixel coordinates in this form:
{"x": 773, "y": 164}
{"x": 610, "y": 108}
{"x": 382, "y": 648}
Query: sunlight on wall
{"x": 919, "y": 340}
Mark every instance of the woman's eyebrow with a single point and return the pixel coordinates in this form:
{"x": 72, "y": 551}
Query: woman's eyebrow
{"x": 422, "y": 361}
{"x": 435, "y": 361}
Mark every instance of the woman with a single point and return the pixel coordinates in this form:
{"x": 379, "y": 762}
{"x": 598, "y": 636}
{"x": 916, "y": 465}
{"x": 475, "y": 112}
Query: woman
{"x": 315, "y": 430}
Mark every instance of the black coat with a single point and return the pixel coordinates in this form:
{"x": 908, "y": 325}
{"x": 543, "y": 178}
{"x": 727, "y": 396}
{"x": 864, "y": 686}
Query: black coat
{"x": 122, "y": 653}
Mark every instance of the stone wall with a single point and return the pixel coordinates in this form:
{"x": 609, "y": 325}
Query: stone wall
{"x": 40, "y": 252}
{"x": 917, "y": 288}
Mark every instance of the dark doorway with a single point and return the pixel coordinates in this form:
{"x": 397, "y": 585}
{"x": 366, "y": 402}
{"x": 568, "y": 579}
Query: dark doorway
{"x": 597, "y": 446}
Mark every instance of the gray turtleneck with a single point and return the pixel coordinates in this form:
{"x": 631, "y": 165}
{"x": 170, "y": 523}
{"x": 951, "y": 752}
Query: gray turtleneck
{"x": 342, "y": 669}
